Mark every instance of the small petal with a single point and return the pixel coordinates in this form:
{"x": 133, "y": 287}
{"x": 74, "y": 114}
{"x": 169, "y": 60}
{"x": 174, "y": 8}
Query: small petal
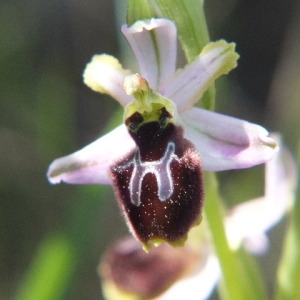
{"x": 91, "y": 164}
{"x": 154, "y": 45}
{"x": 187, "y": 86}
{"x": 197, "y": 286}
{"x": 257, "y": 245}
{"x": 281, "y": 175}
{"x": 104, "y": 74}
{"x": 250, "y": 221}
{"x": 246, "y": 224}
{"x": 225, "y": 142}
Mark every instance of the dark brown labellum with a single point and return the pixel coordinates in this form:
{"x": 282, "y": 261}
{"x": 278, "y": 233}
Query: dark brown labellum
{"x": 159, "y": 186}
{"x": 146, "y": 275}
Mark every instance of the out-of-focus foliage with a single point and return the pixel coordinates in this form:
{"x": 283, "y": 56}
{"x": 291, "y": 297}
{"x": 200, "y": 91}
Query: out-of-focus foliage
{"x": 46, "y": 112}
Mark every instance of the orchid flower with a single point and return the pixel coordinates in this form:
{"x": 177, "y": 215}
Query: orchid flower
{"x": 161, "y": 100}
{"x": 165, "y": 273}
{"x": 196, "y": 280}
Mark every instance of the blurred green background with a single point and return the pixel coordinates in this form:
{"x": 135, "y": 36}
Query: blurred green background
{"x": 52, "y": 237}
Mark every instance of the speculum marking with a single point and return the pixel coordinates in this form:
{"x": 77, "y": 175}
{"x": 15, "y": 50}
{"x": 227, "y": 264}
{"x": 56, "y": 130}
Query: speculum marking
{"x": 161, "y": 170}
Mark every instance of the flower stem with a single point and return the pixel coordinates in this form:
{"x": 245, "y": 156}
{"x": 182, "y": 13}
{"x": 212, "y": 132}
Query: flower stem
{"x": 288, "y": 279}
{"x": 240, "y": 279}
{"x": 138, "y": 10}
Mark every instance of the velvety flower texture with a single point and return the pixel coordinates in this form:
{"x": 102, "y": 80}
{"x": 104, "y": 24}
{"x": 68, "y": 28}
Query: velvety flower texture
{"x": 223, "y": 142}
{"x": 241, "y": 229}
{"x": 192, "y": 272}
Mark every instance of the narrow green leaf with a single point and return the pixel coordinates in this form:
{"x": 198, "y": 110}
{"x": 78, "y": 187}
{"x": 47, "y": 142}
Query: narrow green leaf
{"x": 138, "y": 10}
{"x": 50, "y": 273}
{"x": 253, "y": 280}
{"x": 241, "y": 279}
{"x": 190, "y": 20}
{"x": 288, "y": 279}
{"x": 192, "y": 32}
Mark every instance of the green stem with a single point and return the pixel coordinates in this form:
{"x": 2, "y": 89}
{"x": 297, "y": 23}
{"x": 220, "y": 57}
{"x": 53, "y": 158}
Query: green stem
{"x": 138, "y": 10}
{"x": 288, "y": 279}
{"x": 240, "y": 278}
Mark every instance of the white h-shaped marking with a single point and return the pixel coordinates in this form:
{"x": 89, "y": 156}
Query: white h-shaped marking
{"x": 161, "y": 170}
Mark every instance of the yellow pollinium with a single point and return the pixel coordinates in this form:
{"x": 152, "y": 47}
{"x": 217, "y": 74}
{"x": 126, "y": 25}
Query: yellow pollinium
{"x": 112, "y": 292}
{"x": 156, "y": 242}
{"x": 146, "y": 102}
